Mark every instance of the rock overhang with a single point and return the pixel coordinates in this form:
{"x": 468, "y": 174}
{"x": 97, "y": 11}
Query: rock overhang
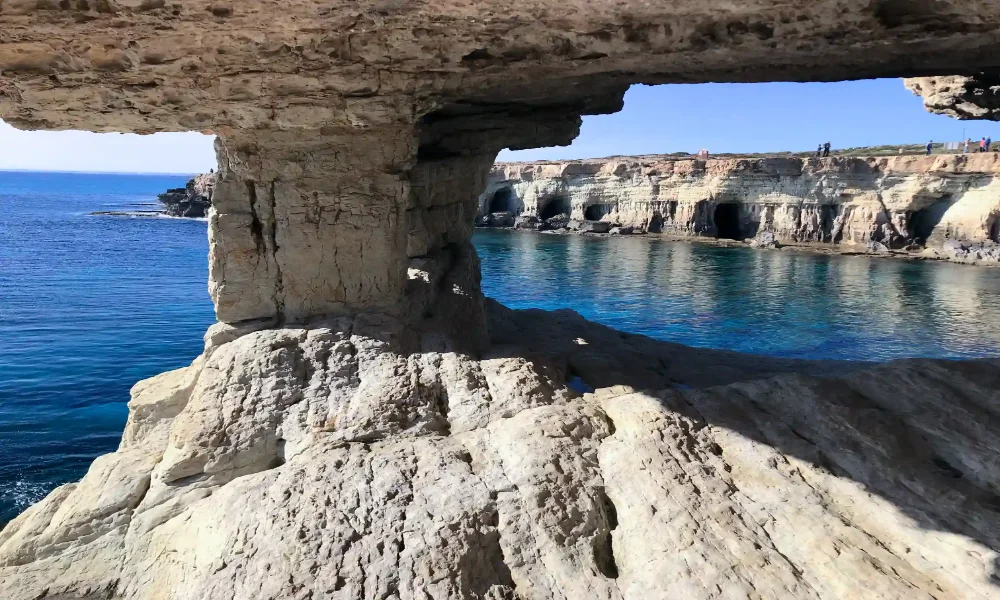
{"x": 149, "y": 65}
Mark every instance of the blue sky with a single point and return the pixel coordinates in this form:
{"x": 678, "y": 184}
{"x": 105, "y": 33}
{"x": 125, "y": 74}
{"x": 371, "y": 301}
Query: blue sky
{"x": 764, "y": 117}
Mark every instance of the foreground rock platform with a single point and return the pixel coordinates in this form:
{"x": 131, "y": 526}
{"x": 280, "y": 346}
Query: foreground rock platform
{"x": 350, "y": 459}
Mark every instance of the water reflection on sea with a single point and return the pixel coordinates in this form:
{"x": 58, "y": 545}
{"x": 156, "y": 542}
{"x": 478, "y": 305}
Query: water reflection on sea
{"x": 781, "y": 303}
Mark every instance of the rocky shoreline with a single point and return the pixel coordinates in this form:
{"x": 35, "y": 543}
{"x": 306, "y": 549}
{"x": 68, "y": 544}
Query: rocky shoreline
{"x": 944, "y": 207}
{"x": 189, "y": 202}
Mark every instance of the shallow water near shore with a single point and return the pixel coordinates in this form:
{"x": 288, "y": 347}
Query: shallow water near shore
{"x": 91, "y": 304}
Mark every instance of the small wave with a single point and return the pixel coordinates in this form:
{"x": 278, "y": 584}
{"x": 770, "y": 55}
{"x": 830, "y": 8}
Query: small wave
{"x": 21, "y": 494}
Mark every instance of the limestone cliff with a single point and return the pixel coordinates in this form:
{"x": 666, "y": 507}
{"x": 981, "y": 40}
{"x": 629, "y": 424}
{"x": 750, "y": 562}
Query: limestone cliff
{"x": 897, "y": 200}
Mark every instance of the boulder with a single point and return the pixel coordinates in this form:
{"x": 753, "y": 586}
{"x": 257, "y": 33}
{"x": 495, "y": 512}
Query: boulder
{"x": 530, "y": 222}
{"x": 873, "y": 247}
{"x": 593, "y": 226}
{"x": 622, "y": 230}
{"x": 765, "y": 239}
{"x": 557, "y": 222}
{"x": 501, "y": 219}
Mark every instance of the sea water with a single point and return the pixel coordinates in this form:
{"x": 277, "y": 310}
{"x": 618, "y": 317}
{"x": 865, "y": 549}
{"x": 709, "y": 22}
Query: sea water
{"x": 91, "y": 304}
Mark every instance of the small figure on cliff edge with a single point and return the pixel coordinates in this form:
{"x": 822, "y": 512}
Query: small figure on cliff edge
{"x": 930, "y": 146}
{"x": 819, "y": 151}
{"x": 826, "y": 149}
{"x": 988, "y": 142}
{"x": 982, "y": 145}
{"x": 967, "y": 142}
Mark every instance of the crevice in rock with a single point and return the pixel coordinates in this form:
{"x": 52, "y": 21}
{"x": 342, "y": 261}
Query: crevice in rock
{"x": 604, "y": 554}
{"x": 946, "y": 468}
{"x": 279, "y": 285}
{"x": 256, "y": 227}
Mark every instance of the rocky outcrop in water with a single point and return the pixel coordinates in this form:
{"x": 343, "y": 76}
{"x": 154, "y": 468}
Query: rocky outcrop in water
{"x": 363, "y": 424}
{"x": 894, "y": 201}
{"x": 193, "y": 200}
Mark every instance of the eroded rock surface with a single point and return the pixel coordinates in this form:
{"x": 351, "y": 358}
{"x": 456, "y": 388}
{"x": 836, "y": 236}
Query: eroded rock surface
{"x": 363, "y": 425}
{"x": 192, "y": 200}
{"x": 893, "y": 201}
{"x": 354, "y": 459}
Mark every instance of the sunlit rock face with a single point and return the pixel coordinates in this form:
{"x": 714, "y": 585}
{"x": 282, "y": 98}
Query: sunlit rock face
{"x": 363, "y": 424}
{"x": 897, "y": 200}
{"x": 975, "y": 97}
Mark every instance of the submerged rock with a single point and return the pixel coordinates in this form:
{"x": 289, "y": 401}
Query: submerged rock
{"x": 193, "y": 200}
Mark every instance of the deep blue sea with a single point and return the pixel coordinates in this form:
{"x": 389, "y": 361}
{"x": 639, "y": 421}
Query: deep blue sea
{"x": 91, "y": 304}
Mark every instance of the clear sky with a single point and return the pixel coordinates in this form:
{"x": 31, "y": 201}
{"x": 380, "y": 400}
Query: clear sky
{"x": 763, "y": 117}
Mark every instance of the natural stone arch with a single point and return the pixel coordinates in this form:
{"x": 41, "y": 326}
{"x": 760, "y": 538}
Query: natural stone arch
{"x": 340, "y": 434}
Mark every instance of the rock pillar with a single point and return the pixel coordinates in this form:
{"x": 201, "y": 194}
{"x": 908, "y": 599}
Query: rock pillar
{"x": 309, "y": 223}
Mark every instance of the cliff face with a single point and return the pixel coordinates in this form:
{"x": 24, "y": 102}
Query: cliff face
{"x": 192, "y": 200}
{"x": 896, "y": 201}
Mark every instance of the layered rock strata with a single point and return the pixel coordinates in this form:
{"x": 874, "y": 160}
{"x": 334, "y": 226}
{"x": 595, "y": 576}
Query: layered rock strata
{"x": 896, "y": 201}
{"x": 361, "y": 424}
{"x": 192, "y": 200}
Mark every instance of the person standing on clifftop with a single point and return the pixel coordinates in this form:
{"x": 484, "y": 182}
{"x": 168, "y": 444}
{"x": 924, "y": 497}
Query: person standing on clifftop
{"x": 819, "y": 151}
{"x": 930, "y": 146}
{"x": 826, "y": 149}
{"x": 988, "y": 142}
{"x": 982, "y": 145}
{"x": 967, "y": 142}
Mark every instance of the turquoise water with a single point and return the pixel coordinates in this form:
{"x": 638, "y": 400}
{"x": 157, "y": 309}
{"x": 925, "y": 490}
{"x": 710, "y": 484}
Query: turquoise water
{"x": 91, "y": 304}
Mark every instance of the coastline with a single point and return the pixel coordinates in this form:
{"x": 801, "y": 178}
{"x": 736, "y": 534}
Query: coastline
{"x": 817, "y": 248}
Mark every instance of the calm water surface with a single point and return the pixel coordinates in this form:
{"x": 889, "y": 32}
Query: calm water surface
{"x": 91, "y": 304}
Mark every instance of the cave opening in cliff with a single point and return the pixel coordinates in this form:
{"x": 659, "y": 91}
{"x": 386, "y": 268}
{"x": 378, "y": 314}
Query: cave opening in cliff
{"x": 556, "y": 205}
{"x": 595, "y": 212}
{"x": 502, "y": 201}
{"x": 995, "y": 230}
{"x": 727, "y": 221}
{"x": 827, "y": 217}
{"x": 923, "y": 223}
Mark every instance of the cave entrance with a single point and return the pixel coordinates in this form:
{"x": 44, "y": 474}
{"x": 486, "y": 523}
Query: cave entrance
{"x": 923, "y": 222}
{"x": 995, "y": 230}
{"x": 727, "y": 221}
{"x": 558, "y": 205}
{"x": 595, "y": 212}
{"x": 502, "y": 201}
{"x": 827, "y": 216}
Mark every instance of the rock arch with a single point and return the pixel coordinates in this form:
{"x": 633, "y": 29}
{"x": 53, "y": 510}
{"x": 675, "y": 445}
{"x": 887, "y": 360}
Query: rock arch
{"x": 340, "y": 434}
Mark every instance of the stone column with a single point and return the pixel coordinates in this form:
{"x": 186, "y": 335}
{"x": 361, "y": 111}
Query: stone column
{"x": 310, "y": 223}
